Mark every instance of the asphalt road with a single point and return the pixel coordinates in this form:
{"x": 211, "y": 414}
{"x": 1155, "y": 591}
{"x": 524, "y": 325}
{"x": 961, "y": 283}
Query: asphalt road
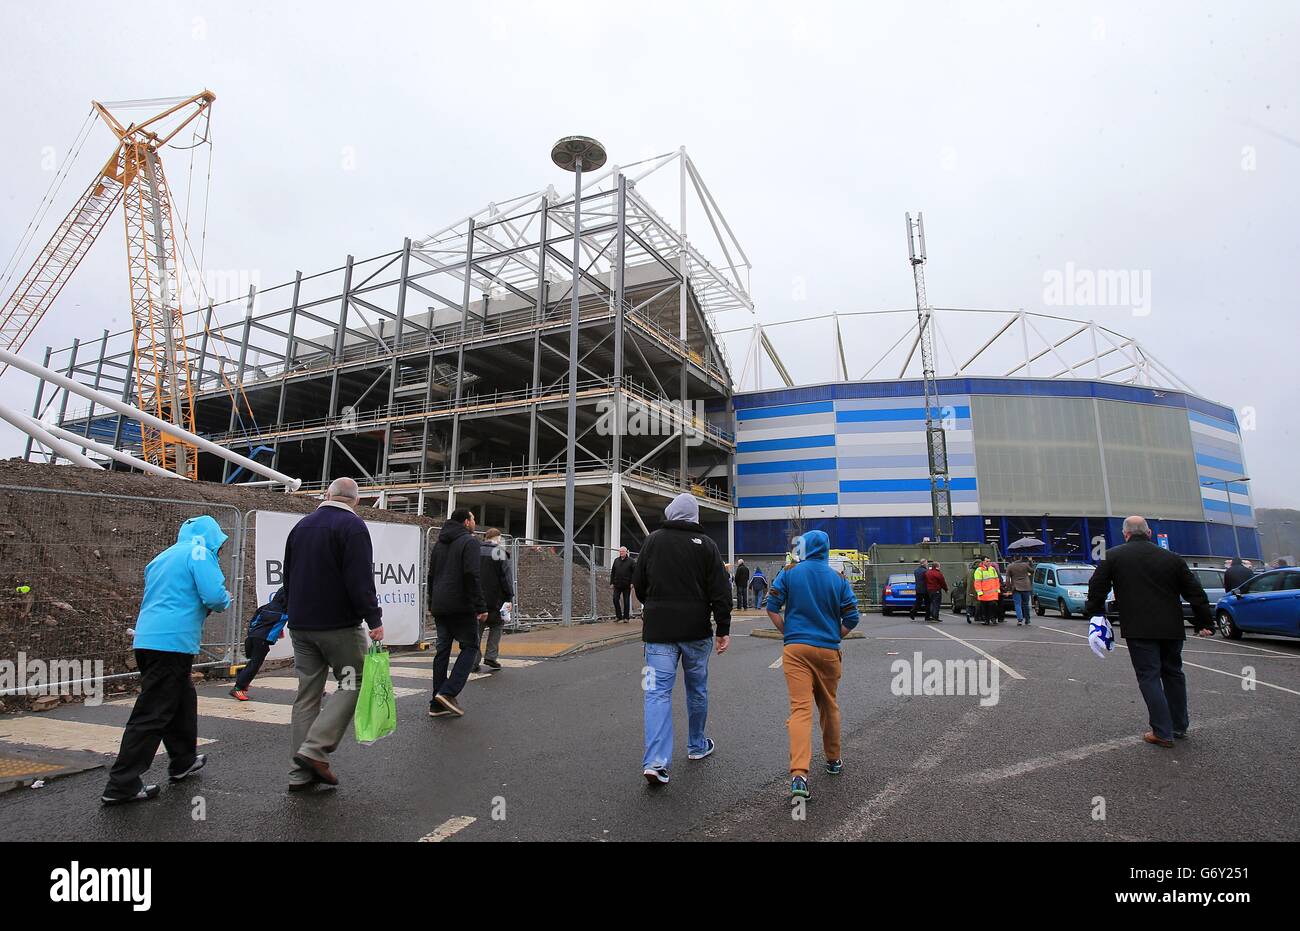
{"x": 552, "y": 752}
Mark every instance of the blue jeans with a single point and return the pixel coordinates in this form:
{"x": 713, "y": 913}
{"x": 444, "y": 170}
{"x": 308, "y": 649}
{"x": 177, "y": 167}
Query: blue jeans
{"x": 662, "y": 659}
{"x": 1022, "y": 605}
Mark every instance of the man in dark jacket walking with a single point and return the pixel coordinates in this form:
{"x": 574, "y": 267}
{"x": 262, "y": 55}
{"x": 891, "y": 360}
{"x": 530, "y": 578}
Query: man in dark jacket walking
{"x": 742, "y": 585}
{"x": 620, "y": 582}
{"x": 457, "y": 605}
{"x": 494, "y": 576}
{"x": 680, "y": 580}
{"x": 921, "y": 601}
{"x": 1148, "y": 581}
{"x": 1236, "y": 574}
{"x": 329, "y": 582}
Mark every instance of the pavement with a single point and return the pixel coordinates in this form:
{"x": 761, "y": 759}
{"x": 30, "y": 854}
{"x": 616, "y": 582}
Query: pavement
{"x": 550, "y": 749}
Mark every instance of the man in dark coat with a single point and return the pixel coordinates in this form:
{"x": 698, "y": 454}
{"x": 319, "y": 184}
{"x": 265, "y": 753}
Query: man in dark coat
{"x": 457, "y": 605}
{"x": 494, "y": 576}
{"x": 742, "y": 585}
{"x": 329, "y": 581}
{"x": 1236, "y": 574}
{"x": 681, "y": 582}
{"x": 1148, "y": 581}
{"x": 620, "y": 583}
{"x": 922, "y": 602}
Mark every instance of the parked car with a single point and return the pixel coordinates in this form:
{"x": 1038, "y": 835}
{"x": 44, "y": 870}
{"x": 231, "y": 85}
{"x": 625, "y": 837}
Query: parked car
{"x": 1211, "y": 580}
{"x": 1269, "y": 603}
{"x": 1061, "y": 587}
{"x": 899, "y": 592}
{"x": 1006, "y": 600}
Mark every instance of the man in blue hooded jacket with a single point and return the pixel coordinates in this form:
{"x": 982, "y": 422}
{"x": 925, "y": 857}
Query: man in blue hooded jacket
{"x": 182, "y": 585}
{"x": 819, "y": 609}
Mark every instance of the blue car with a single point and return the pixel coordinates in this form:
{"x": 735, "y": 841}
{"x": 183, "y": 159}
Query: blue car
{"x": 1062, "y": 587}
{"x": 1269, "y": 603}
{"x": 899, "y": 592}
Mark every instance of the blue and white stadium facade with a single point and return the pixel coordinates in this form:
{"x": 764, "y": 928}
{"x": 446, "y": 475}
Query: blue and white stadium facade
{"x": 1064, "y": 460}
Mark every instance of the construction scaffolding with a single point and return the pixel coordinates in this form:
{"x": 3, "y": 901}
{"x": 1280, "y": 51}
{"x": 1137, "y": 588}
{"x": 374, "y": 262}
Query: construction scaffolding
{"x": 437, "y": 374}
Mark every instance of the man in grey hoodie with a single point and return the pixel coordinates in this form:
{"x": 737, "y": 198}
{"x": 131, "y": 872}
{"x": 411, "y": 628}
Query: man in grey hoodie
{"x": 680, "y": 581}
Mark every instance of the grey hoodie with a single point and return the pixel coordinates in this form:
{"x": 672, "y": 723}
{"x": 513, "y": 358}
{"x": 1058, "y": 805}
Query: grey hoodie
{"x": 683, "y": 507}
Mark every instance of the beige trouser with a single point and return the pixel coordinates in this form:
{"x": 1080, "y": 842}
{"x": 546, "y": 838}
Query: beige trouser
{"x": 812, "y": 674}
{"x": 316, "y": 733}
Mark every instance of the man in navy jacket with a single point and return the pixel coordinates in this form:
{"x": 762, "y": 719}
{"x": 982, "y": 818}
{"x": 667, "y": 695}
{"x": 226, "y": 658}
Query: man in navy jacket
{"x": 330, "y": 583}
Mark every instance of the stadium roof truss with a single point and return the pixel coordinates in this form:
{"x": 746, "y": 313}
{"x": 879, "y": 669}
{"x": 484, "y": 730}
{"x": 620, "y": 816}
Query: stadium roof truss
{"x": 1021, "y": 344}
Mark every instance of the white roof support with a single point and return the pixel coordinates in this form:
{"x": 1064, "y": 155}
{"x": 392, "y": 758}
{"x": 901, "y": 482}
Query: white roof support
{"x": 113, "y": 453}
{"x": 38, "y": 432}
{"x": 144, "y": 418}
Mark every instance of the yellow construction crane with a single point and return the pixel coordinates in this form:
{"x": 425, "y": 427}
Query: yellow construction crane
{"x": 134, "y": 176}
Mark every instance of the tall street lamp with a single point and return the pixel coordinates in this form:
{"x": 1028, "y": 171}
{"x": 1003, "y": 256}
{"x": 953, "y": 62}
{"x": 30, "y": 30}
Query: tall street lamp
{"x": 575, "y": 154}
{"x": 1227, "y": 487}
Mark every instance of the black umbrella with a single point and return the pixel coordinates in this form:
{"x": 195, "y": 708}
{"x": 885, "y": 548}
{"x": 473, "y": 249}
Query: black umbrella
{"x": 1026, "y": 543}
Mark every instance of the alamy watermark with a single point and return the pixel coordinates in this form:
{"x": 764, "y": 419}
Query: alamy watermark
{"x": 664, "y": 419}
{"x": 951, "y": 677}
{"x": 1126, "y": 289}
{"x": 72, "y": 677}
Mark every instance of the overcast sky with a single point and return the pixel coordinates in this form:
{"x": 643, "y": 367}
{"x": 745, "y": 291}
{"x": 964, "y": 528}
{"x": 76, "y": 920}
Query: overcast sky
{"x": 1161, "y": 139}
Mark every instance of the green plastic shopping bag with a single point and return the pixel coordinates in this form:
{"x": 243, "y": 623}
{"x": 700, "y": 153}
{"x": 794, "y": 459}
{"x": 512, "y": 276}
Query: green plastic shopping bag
{"x": 376, "y": 714}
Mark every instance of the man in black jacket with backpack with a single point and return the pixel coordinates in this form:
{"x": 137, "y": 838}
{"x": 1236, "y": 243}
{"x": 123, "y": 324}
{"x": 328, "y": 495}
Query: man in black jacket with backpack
{"x": 494, "y": 576}
{"x": 457, "y": 605}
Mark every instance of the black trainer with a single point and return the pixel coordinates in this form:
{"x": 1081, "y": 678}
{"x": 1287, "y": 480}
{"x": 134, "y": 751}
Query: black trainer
{"x": 146, "y": 793}
{"x": 491, "y": 663}
{"x": 199, "y": 761}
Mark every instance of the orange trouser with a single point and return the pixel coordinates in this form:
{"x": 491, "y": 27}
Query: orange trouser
{"x": 812, "y": 674}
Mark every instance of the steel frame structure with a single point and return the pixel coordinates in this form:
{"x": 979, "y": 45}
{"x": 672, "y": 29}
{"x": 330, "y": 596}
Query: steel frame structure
{"x": 1019, "y": 346}
{"x": 436, "y": 374}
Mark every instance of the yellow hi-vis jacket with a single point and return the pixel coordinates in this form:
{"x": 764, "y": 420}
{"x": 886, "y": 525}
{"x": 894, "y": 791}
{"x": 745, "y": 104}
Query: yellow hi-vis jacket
{"x": 988, "y": 585}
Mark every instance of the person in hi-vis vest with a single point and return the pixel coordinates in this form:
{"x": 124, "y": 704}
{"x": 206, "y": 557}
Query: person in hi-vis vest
{"x": 988, "y": 589}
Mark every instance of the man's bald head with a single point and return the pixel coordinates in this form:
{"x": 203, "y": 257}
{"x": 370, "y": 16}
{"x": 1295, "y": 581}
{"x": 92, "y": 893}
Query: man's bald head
{"x": 1136, "y": 526}
{"x": 345, "y": 491}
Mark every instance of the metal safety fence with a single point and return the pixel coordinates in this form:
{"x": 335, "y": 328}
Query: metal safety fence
{"x": 72, "y": 574}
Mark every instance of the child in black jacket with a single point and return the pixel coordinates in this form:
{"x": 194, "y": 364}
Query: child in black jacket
{"x": 264, "y": 629}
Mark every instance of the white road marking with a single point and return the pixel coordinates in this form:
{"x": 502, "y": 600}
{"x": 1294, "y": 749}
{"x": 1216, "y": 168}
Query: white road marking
{"x": 777, "y": 664}
{"x": 1222, "y": 672}
{"x": 988, "y": 656}
{"x": 1251, "y": 646}
{"x": 860, "y": 821}
{"x": 58, "y": 734}
{"x": 290, "y": 684}
{"x": 427, "y": 658}
{"x": 1074, "y": 755}
{"x": 447, "y": 829}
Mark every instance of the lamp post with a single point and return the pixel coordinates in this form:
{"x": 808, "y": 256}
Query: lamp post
{"x": 1227, "y": 487}
{"x": 574, "y": 153}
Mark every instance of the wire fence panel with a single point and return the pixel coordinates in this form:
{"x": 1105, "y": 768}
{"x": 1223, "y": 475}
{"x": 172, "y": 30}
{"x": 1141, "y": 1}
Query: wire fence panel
{"x": 539, "y": 567}
{"x": 72, "y": 573}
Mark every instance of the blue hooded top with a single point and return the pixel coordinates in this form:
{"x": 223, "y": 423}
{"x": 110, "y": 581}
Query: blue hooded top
{"x": 182, "y": 585}
{"x": 816, "y": 599}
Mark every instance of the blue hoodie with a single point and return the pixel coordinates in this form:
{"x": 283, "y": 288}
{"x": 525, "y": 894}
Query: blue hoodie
{"x": 816, "y": 599}
{"x": 182, "y": 585}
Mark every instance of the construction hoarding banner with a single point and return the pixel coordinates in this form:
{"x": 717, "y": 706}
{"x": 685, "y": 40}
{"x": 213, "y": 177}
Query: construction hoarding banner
{"x": 396, "y": 566}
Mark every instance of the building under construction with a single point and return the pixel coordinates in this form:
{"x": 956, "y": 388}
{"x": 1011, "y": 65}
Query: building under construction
{"x": 437, "y": 374}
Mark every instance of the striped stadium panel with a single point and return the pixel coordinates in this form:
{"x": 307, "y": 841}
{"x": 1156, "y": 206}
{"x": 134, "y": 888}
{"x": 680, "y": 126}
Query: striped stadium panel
{"x": 1216, "y": 445}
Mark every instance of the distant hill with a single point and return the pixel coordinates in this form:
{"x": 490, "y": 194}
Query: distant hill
{"x": 1279, "y": 533}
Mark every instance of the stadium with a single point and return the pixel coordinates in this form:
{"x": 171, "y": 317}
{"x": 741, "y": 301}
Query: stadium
{"x": 437, "y": 374}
